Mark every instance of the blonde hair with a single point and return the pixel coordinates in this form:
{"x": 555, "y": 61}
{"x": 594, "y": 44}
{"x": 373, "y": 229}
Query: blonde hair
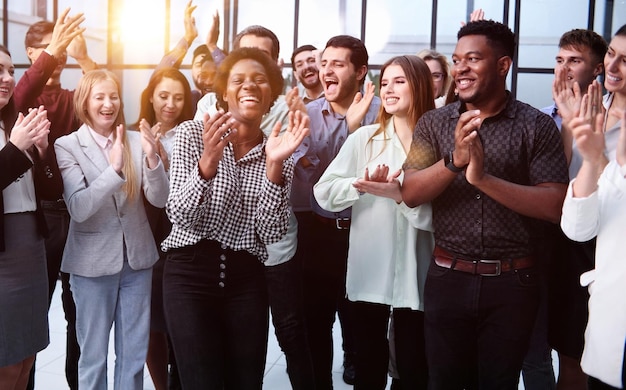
{"x": 81, "y": 100}
{"x": 432, "y": 55}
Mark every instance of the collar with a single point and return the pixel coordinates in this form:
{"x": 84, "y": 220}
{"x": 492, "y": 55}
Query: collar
{"x": 101, "y": 140}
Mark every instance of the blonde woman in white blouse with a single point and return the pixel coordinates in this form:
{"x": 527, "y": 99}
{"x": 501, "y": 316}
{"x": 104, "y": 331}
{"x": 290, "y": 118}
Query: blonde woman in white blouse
{"x": 390, "y": 243}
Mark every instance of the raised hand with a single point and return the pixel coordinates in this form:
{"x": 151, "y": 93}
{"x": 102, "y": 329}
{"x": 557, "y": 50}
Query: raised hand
{"x": 567, "y": 99}
{"x": 191, "y": 31}
{"x": 31, "y": 129}
{"x": 476, "y": 15}
{"x": 587, "y": 126}
{"x": 116, "y": 155}
{"x": 65, "y": 30}
{"x": 215, "y": 136}
{"x": 77, "y": 49}
{"x": 294, "y": 101}
{"x": 358, "y": 109}
{"x": 150, "y": 142}
{"x": 280, "y": 147}
{"x": 214, "y": 31}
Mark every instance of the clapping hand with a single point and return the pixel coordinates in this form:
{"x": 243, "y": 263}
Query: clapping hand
{"x": 280, "y": 147}
{"x": 358, "y": 109}
{"x": 218, "y": 129}
{"x": 150, "y": 142}
{"x": 31, "y": 129}
{"x": 65, "y": 30}
{"x": 380, "y": 183}
{"x": 587, "y": 127}
{"x": 116, "y": 155}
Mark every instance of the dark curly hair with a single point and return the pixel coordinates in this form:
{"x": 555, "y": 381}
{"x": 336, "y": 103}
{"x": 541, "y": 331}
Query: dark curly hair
{"x": 272, "y": 70}
{"x": 499, "y": 35}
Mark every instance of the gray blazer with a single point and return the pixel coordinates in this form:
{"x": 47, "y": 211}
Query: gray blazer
{"x": 103, "y": 219}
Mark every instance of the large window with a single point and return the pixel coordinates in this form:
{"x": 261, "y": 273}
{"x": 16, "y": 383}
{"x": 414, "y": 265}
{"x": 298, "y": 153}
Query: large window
{"x": 130, "y": 37}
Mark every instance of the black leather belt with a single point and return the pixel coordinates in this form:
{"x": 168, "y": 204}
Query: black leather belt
{"x": 338, "y": 223}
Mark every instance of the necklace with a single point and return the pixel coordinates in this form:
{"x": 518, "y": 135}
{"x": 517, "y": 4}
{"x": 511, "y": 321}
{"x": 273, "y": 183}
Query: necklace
{"x": 255, "y": 139}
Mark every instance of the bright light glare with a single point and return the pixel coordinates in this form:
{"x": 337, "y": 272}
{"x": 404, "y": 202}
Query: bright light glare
{"x": 141, "y": 22}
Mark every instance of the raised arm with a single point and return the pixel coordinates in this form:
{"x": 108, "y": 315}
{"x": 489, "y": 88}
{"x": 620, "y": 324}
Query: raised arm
{"x": 174, "y": 57}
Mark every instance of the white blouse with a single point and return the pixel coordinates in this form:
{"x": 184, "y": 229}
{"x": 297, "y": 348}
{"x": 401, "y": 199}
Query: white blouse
{"x": 390, "y": 244}
{"x": 19, "y": 196}
{"x": 603, "y": 214}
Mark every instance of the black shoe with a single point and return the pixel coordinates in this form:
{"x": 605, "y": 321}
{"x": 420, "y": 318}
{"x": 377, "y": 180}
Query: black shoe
{"x": 348, "y": 368}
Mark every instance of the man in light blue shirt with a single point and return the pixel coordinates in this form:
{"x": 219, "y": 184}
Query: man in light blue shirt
{"x": 323, "y": 235}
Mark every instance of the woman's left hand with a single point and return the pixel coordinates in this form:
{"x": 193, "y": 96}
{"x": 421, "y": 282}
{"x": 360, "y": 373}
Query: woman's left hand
{"x": 149, "y": 142}
{"x": 280, "y": 147}
{"x": 380, "y": 183}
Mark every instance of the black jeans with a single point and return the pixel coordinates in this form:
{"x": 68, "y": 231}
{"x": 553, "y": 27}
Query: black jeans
{"x": 371, "y": 325}
{"x": 323, "y": 250}
{"x": 217, "y": 314}
{"x": 478, "y": 327}
{"x": 284, "y": 286}
{"x": 410, "y": 348}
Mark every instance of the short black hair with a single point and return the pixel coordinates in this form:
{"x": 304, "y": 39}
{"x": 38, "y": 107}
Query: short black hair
{"x": 274, "y": 74}
{"x": 358, "y": 52}
{"x": 262, "y": 32}
{"x": 202, "y": 50}
{"x": 499, "y": 35}
{"x": 300, "y": 50}
{"x": 621, "y": 30}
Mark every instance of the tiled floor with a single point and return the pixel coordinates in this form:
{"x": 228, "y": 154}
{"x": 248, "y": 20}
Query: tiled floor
{"x": 51, "y": 361}
{"x": 50, "y": 373}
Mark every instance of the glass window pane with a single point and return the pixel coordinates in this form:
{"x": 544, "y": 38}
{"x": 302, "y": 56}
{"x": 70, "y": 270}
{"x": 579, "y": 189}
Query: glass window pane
{"x": 338, "y": 17}
{"x": 96, "y": 24}
{"x": 535, "y": 89}
{"x": 134, "y": 82}
{"x": 139, "y": 32}
{"x": 540, "y": 31}
{"x": 254, "y": 12}
{"x": 392, "y": 31}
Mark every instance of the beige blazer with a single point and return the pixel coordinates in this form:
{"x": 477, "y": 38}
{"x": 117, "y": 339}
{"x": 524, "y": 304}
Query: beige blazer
{"x": 104, "y": 221}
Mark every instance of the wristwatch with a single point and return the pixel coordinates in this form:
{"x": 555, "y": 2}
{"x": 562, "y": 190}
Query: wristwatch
{"x": 448, "y": 160}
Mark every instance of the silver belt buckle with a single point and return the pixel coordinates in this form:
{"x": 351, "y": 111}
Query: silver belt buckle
{"x": 498, "y": 264}
{"x": 338, "y": 223}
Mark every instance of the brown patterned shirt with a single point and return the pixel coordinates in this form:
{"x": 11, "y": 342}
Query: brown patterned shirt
{"x": 521, "y": 145}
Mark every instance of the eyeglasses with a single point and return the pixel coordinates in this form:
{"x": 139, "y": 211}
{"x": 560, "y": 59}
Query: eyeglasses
{"x": 39, "y": 45}
{"x": 437, "y": 76}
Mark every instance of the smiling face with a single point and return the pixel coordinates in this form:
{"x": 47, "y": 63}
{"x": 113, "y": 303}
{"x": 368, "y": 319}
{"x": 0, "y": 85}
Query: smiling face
{"x": 338, "y": 76}
{"x": 615, "y": 65}
{"x": 305, "y": 69}
{"x": 477, "y": 71}
{"x": 7, "y": 79}
{"x": 248, "y": 92}
{"x": 168, "y": 100}
{"x": 103, "y": 106}
{"x": 395, "y": 91}
{"x": 579, "y": 65}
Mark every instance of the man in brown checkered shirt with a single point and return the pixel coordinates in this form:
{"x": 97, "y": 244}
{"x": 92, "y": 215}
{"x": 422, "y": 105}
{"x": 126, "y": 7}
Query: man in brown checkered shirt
{"x": 491, "y": 166}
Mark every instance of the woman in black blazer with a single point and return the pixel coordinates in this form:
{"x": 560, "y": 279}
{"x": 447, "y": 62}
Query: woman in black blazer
{"x": 23, "y": 277}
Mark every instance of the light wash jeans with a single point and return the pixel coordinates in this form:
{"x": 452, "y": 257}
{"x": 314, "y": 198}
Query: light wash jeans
{"x": 123, "y": 299}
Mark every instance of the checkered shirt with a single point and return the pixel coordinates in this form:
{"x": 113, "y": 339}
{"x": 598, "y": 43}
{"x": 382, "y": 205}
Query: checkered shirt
{"x": 521, "y": 145}
{"x": 239, "y": 207}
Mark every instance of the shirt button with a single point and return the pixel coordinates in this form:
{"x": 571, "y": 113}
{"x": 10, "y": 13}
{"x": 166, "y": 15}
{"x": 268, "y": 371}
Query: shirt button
{"x": 478, "y": 222}
{"x": 223, "y": 246}
{"x": 223, "y": 257}
{"x": 222, "y": 275}
{"x": 222, "y": 266}
{"x": 477, "y": 196}
{"x": 221, "y": 284}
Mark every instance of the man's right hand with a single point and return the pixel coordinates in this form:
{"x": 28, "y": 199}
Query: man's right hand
{"x": 65, "y": 30}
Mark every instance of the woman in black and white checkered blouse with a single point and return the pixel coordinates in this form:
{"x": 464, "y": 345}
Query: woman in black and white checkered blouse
{"x": 229, "y": 196}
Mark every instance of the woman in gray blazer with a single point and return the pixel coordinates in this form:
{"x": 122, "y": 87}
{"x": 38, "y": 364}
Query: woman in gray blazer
{"x": 110, "y": 249}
